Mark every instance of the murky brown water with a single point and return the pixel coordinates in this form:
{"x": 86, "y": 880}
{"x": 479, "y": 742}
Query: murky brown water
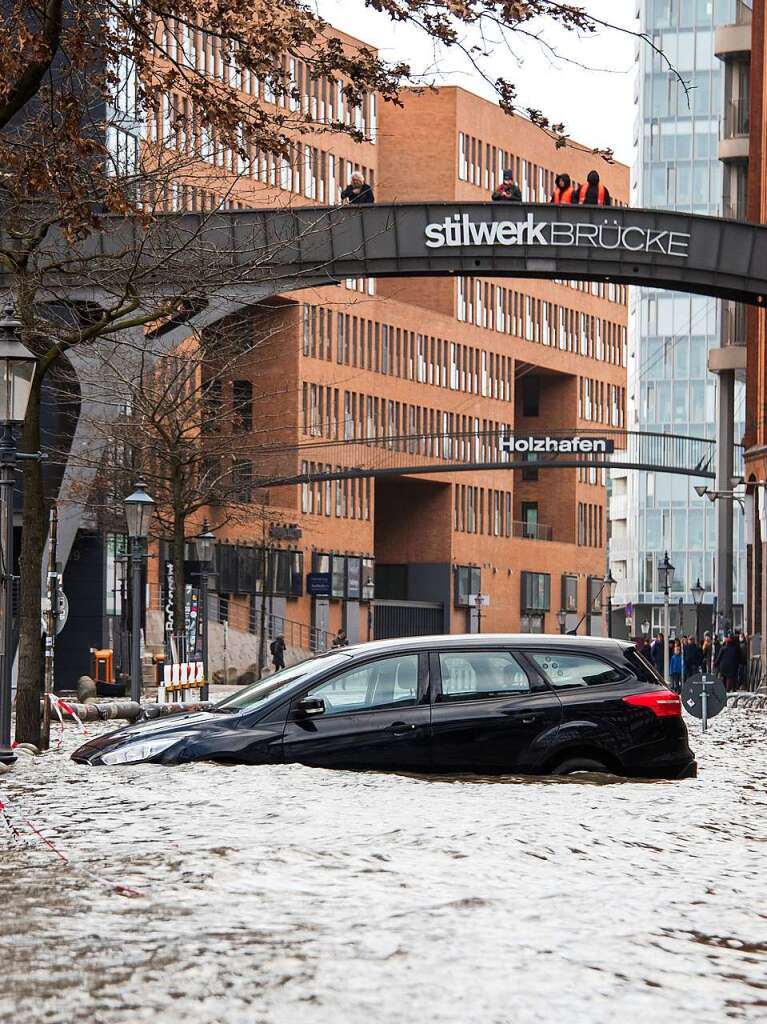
{"x": 296, "y": 895}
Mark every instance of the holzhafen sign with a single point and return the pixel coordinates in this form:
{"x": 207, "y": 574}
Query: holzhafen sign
{"x": 556, "y": 445}
{"x": 459, "y": 230}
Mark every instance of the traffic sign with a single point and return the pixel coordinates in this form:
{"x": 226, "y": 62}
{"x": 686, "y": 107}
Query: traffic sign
{"x": 703, "y": 696}
{"x": 63, "y": 612}
{"x": 318, "y": 584}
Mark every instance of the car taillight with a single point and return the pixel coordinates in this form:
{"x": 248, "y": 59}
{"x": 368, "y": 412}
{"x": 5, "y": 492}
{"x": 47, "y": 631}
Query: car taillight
{"x": 663, "y": 703}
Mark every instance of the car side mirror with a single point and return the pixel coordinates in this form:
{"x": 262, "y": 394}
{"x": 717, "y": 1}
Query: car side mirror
{"x": 311, "y": 706}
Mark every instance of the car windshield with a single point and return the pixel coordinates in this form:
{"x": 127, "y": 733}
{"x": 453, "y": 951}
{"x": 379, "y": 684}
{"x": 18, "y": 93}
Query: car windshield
{"x": 257, "y": 693}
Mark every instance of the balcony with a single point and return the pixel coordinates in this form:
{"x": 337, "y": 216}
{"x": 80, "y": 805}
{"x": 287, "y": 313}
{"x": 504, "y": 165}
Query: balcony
{"x": 531, "y": 531}
{"x": 733, "y": 141}
{"x": 733, "y": 42}
{"x": 618, "y": 506}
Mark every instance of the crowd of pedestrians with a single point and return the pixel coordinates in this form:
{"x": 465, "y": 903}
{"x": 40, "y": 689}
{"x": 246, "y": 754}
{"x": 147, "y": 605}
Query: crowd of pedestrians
{"x": 727, "y": 658}
{"x": 566, "y": 192}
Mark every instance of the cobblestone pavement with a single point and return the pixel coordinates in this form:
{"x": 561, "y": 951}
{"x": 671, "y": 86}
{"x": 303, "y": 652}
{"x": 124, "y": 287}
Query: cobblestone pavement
{"x": 295, "y": 895}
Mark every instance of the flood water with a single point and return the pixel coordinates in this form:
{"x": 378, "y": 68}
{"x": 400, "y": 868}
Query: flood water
{"x": 296, "y": 895}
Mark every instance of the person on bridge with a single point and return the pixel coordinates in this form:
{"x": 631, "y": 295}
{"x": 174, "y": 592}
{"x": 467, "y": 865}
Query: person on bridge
{"x": 564, "y": 191}
{"x": 508, "y": 191}
{"x": 358, "y": 191}
{"x": 592, "y": 192}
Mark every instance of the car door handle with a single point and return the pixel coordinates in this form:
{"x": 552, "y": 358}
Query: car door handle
{"x": 529, "y": 719}
{"x": 400, "y": 728}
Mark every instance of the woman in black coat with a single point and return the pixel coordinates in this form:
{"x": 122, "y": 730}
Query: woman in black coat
{"x": 727, "y": 663}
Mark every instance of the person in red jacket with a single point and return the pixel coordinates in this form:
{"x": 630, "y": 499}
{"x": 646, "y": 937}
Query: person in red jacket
{"x": 564, "y": 191}
{"x": 593, "y": 192}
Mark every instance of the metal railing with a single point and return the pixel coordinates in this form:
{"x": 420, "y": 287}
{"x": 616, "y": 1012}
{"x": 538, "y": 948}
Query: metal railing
{"x": 737, "y": 118}
{"x": 247, "y": 619}
{"x": 733, "y": 324}
{"x": 744, "y": 12}
{"x": 531, "y": 531}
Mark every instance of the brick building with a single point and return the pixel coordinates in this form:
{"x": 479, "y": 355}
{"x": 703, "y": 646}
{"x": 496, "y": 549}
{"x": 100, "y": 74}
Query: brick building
{"x": 394, "y": 363}
{"x": 427, "y": 370}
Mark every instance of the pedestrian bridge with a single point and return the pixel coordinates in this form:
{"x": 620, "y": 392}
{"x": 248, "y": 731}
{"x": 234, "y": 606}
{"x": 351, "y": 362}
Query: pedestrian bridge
{"x": 421, "y": 454}
{"x": 239, "y": 257}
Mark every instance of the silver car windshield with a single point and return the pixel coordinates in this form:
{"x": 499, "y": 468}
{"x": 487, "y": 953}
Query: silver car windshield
{"x": 257, "y": 693}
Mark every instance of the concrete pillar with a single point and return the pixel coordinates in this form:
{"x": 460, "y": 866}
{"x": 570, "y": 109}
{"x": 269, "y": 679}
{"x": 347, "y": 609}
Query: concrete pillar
{"x": 725, "y": 436}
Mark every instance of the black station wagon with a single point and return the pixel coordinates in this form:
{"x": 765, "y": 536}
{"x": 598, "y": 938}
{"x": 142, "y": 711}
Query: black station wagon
{"x": 479, "y": 703}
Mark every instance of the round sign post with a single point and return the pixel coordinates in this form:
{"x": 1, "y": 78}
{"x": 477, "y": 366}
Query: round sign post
{"x": 703, "y": 696}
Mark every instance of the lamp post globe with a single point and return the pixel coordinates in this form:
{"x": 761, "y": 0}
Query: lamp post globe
{"x": 562, "y": 619}
{"x": 204, "y": 544}
{"x": 17, "y": 370}
{"x": 138, "y": 512}
{"x": 138, "y": 516}
{"x": 697, "y": 597}
{"x": 204, "y": 548}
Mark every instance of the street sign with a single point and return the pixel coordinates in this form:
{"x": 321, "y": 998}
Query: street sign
{"x": 63, "y": 612}
{"x": 318, "y": 584}
{"x": 703, "y": 696}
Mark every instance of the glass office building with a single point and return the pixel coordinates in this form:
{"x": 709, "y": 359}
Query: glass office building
{"x": 676, "y": 142}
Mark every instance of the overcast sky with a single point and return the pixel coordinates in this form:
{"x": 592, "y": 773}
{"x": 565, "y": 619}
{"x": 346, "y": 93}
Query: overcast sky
{"x": 596, "y": 107}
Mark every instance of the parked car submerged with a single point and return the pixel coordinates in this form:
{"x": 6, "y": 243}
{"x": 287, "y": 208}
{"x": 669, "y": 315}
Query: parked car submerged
{"x": 480, "y": 703}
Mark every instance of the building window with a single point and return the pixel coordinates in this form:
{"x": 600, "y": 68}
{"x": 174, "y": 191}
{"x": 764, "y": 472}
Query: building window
{"x": 570, "y": 593}
{"x": 535, "y": 593}
{"x": 530, "y": 519}
{"x": 242, "y": 481}
{"x": 242, "y": 398}
{"x": 531, "y": 396}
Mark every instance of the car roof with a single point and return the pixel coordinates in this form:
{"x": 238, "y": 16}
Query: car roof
{"x": 463, "y": 640}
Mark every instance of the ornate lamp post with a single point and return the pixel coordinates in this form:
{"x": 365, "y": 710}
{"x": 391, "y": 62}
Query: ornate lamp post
{"x": 610, "y": 584}
{"x": 204, "y": 547}
{"x": 17, "y": 371}
{"x": 562, "y": 619}
{"x": 138, "y": 515}
{"x": 666, "y": 578}
{"x": 697, "y": 597}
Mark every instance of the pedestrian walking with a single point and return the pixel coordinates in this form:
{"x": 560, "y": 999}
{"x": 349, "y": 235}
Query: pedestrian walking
{"x": 277, "y": 648}
{"x": 727, "y": 662}
{"x": 675, "y": 667}
{"x": 358, "y": 192}
{"x": 656, "y": 653}
{"x": 743, "y": 666}
{"x": 707, "y": 652}
{"x": 693, "y": 657}
{"x": 592, "y": 192}
{"x": 508, "y": 191}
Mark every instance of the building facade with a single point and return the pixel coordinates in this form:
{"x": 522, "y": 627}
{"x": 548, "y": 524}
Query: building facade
{"x": 678, "y": 379}
{"x": 426, "y": 370}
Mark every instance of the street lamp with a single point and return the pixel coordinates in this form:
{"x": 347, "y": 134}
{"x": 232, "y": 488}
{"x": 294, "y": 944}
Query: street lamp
{"x": 610, "y": 584}
{"x": 666, "y": 578}
{"x": 697, "y": 597}
{"x": 204, "y": 547}
{"x": 17, "y": 371}
{"x": 138, "y": 515}
{"x": 562, "y": 619}
{"x": 645, "y": 629}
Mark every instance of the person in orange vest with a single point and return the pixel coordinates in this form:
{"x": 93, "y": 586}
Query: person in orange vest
{"x": 564, "y": 191}
{"x": 593, "y": 192}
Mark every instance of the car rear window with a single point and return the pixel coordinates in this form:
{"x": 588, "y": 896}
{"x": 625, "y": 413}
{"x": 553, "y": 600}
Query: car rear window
{"x": 642, "y": 667}
{"x": 565, "y": 671}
